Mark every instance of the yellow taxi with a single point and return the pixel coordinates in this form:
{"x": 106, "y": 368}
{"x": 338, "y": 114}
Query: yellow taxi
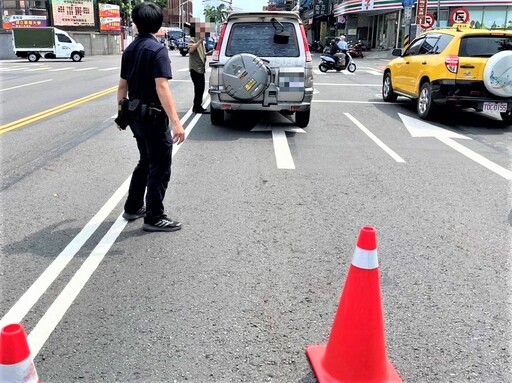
{"x": 458, "y": 66}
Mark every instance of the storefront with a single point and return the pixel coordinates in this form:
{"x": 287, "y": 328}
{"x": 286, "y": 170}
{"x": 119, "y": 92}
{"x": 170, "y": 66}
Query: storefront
{"x": 381, "y": 23}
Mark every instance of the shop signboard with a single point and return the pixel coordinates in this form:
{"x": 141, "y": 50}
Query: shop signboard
{"x": 321, "y": 8}
{"x": 421, "y": 11}
{"x": 25, "y": 21}
{"x": 110, "y": 17}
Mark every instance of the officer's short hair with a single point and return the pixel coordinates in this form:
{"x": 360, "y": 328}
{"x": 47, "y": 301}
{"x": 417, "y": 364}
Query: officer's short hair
{"x": 148, "y": 17}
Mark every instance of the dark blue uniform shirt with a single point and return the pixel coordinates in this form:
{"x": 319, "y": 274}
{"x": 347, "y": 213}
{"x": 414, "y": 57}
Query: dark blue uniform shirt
{"x": 144, "y": 60}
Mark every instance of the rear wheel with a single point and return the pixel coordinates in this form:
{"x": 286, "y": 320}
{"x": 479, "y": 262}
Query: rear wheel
{"x": 33, "y": 57}
{"x": 217, "y": 116}
{"x": 323, "y": 67}
{"x": 426, "y": 107}
{"x": 507, "y": 117}
{"x": 387, "y": 89}
{"x": 302, "y": 118}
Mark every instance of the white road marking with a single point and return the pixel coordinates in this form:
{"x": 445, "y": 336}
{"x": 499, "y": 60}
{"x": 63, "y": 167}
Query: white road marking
{"x": 36, "y": 69}
{"x": 82, "y": 69}
{"x": 62, "y": 303}
{"x": 343, "y": 84}
{"x": 418, "y": 128}
{"x": 354, "y": 102}
{"x": 113, "y": 68}
{"x": 284, "y": 159}
{"x": 24, "y": 85}
{"x": 60, "y": 69}
{"x": 375, "y": 139}
{"x": 374, "y": 72}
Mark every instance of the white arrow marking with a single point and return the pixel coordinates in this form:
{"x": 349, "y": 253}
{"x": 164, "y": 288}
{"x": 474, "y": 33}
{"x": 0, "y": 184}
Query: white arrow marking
{"x": 418, "y": 128}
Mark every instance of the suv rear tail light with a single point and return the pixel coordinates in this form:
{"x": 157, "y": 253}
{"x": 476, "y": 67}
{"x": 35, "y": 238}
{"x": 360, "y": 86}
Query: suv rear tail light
{"x": 305, "y": 42}
{"x": 218, "y": 47}
{"x": 452, "y": 63}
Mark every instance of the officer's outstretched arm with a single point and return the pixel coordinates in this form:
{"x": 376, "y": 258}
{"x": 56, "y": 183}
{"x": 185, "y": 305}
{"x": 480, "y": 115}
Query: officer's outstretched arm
{"x": 167, "y": 100}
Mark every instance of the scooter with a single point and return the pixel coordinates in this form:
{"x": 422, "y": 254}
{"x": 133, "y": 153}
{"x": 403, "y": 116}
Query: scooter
{"x": 337, "y": 62}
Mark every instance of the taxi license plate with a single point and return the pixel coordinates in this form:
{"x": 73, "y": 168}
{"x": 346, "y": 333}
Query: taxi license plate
{"x": 495, "y": 107}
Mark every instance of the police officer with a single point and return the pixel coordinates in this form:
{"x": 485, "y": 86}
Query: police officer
{"x": 145, "y": 71}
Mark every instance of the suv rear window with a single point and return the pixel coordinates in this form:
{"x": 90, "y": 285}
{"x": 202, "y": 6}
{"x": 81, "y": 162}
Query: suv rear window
{"x": 258, "y": 39}
{"x": 484, "y": 46}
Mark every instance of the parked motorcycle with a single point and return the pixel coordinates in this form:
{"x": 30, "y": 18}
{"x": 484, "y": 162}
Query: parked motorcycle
{"x": 356, "y": 50}
{"x": 316, "y": 47}
{"x": 337, "y": 62}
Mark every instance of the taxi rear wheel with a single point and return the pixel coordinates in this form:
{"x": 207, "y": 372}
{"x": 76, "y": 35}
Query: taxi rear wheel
{"x": 425, "y": 106}
{"x": 387, "y": 89}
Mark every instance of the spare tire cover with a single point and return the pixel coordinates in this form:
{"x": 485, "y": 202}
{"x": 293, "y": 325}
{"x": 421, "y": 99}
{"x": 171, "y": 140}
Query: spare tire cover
{"x": 498, "y": 74}
{"x": 245, "y": 76}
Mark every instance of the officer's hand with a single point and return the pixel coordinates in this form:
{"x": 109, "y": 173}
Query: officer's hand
{"x": 178, "y": 133}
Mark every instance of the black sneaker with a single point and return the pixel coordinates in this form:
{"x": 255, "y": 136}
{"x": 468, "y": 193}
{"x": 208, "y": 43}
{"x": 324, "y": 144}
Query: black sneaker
{"x": 133, "y": 216}
{"x": 163, "y": 224}
{"x": 201, "y": 111}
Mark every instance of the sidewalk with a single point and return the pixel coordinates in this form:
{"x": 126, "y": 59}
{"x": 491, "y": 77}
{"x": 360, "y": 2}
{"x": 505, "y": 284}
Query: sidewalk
{"x": 379, "y": 54}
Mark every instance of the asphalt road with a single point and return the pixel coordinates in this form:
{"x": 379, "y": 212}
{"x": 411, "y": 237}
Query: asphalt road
{"x": 271, "y": 215}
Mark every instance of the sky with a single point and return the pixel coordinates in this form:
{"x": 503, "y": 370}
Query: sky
{"x": 238, "y": 5}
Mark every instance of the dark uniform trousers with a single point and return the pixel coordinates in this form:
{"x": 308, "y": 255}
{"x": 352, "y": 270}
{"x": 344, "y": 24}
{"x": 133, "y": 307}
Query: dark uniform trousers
{"x": 153, "y": 170}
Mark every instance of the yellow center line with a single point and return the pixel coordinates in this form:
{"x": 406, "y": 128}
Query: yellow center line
{"x": 47, "y": 113}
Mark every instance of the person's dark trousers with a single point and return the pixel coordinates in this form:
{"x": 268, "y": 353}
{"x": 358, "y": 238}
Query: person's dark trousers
{"x": 152, "y": 172}
{"x": 198, "y": 80}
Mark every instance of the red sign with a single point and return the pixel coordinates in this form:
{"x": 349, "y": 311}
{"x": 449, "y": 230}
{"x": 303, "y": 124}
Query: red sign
{"x": 429, "y": 21}
{"x": 459, "y": 16}
{"x": 421, "y": 11}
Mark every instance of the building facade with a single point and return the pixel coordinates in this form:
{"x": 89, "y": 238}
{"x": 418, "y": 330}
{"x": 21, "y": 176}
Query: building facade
{"x": 383, "y": 23}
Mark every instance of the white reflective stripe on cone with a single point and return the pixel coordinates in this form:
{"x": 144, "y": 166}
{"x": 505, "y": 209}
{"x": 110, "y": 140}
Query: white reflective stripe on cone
{"x": 365, "y": 259}
{"x": 22, "y": 372}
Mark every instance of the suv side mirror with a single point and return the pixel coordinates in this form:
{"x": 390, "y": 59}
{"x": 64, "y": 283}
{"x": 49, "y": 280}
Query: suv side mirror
{"x": 397, "y": 52}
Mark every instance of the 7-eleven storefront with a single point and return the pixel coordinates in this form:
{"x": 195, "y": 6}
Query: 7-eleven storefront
{"x": 381, "y": 23}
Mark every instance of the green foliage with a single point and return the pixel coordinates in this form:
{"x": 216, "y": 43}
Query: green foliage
{"x": 216, "y": 15}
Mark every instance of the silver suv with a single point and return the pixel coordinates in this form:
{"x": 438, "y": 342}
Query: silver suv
{"x": 262, "y": 63}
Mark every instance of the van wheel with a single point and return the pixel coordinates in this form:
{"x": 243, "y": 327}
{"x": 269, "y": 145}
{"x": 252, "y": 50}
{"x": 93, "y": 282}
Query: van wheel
{"x": 33, "y": 57}
{"x": 302, "y": 118}
{"x": 387, "y": 89}
{"x": 76, "y": 57}
{"x": 507, "y": 117}
{"x": 217, "y": 116}
{"x": 425, "y": 106}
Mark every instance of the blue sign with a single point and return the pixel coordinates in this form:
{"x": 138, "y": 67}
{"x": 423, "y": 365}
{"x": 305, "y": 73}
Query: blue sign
{"x": 408, "y": 3}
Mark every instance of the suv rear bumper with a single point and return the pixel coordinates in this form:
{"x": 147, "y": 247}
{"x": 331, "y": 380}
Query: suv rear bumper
{"x": 257, "y": 105}
{"x": 468, "y": 94}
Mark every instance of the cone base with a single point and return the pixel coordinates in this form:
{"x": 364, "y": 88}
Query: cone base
{"x": 316, "y": 355}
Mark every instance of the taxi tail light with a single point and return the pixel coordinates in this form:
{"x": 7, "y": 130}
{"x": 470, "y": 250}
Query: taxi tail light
{"x": 452, "y": 63}
{"x": 305, "y": 42}
{"x": 218, "y": 47}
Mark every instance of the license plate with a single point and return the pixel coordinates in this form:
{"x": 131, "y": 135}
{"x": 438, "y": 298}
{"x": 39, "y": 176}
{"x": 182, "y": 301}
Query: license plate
{"x": 495, "y": 107}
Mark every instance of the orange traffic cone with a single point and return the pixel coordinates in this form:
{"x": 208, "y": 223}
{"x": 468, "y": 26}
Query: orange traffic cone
{"x": 16, "y": 364}
{"x": 356, "y": 350}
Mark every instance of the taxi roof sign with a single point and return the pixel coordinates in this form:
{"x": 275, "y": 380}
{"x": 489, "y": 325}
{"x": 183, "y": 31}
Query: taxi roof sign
{"x": 463, "y": 26}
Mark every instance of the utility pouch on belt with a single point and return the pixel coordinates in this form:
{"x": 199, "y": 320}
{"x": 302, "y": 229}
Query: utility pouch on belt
{"x": 157, "y": 117}
{"x": 123, "y": 115}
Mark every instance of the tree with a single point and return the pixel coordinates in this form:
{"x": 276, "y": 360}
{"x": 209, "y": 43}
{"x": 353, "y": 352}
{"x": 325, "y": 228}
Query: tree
{"x": 216, "y": 15}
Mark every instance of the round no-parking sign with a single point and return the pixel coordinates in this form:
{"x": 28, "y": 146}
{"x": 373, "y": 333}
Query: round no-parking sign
{"x": 459, "y": 16}
{"x": 429, "y": 21}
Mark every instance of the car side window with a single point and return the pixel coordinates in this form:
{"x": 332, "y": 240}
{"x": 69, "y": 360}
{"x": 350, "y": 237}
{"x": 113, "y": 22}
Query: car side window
{"x": 428, "y": 45}
{"x": 63, "y": 38}
{"x": 442, "y": 43}
{"x": 414, "y": 48}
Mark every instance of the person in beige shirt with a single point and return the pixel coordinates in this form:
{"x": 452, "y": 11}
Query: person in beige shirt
{"x": 197, "y": 64}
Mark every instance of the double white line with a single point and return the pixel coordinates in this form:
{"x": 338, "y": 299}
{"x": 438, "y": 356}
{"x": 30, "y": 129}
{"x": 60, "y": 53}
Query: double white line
{"x": 39, "y": 335}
